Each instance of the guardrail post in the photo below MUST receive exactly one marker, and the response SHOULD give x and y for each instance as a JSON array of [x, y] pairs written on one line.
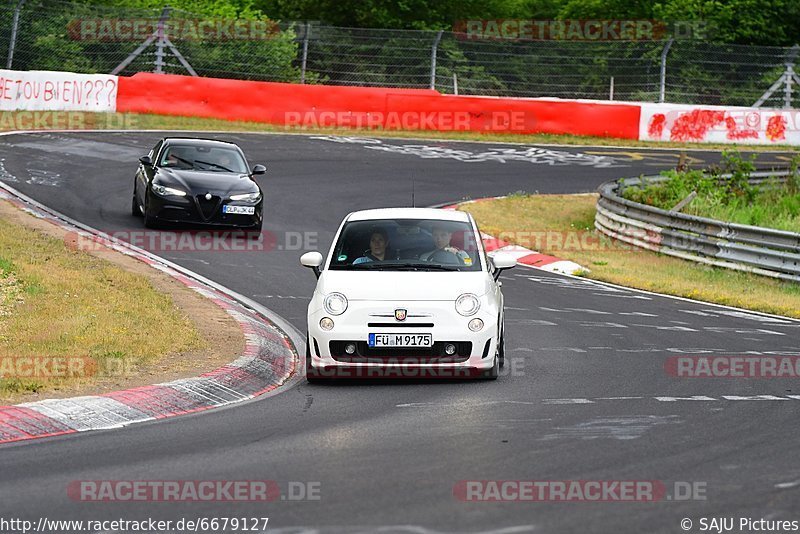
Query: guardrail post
[[434, 50], [663, 83], [12, 44]]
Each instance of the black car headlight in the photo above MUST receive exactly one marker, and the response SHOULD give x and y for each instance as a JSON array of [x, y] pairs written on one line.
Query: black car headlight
[[164, 191], [247, 197]]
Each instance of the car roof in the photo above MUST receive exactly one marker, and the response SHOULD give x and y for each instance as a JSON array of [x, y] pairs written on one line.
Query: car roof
[[409, 213], [198, 141]]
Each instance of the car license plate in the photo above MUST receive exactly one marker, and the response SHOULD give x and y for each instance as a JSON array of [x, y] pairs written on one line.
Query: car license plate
[[239, 210], [400, 340]]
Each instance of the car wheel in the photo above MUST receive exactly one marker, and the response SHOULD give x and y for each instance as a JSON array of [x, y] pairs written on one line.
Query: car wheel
[[135, 211], [501, 349], [149, 220], [493, 372], [312, 375]]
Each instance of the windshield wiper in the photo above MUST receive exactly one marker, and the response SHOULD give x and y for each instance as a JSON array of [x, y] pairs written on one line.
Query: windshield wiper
[[217, 165]]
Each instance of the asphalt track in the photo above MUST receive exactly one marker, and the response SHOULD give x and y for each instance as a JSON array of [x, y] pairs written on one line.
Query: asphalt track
[[584, 397]]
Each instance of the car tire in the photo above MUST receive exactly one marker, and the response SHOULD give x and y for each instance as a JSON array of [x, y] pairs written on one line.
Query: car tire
[[312, 375], [135, 211], [501, 349], [149, 220], [493, 372]]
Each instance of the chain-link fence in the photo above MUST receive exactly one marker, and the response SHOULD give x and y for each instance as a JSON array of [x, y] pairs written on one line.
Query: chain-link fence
[[59, 35]]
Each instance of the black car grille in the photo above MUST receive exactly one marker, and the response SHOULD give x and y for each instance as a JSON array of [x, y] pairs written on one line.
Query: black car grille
[[434, 354], [207, 207]]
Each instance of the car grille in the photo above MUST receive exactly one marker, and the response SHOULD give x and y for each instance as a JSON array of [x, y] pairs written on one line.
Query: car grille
[[366, 354], [207, 207]]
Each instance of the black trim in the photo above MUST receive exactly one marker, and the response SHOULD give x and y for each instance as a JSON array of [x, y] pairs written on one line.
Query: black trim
[[486, 348], [420, 355], [400, 325]]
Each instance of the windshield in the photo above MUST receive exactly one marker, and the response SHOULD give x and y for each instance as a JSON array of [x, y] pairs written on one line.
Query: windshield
[[406, 244], [203, 158]]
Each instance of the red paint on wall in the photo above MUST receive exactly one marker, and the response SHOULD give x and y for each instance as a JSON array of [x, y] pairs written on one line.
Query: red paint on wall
[[776, 128], [656, 127], [694, 126], [735, 134]]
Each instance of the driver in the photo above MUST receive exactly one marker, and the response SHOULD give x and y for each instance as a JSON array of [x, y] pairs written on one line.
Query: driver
[[441, 239], [378, 243]]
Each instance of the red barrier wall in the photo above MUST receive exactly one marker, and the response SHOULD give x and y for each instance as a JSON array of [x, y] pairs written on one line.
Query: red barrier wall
[[332, 106]]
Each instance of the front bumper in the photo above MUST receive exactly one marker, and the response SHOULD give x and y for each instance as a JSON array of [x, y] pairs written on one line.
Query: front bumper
[[474, 350], [200, 211]]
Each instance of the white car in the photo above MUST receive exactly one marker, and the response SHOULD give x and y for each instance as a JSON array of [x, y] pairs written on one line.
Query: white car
[[406, 292]]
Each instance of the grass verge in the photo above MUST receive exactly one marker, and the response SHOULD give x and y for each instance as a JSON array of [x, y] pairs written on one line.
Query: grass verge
[[563, 226], [69, 318], [143, 121], [725, 193]]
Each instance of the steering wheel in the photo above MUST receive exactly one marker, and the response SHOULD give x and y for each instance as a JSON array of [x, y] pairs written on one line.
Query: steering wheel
[[445, 257]]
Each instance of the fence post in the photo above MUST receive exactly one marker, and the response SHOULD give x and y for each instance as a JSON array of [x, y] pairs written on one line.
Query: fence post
[[433, 58], [14, 27], [663, 85], [305, 53], [785, 79], [161, 41]]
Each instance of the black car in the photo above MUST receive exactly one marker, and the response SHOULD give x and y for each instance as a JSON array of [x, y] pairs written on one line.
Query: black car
[[186, 180]]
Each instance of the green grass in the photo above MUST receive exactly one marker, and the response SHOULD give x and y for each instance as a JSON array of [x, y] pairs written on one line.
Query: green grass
[[61, 303], [773, 204], [520, 217]]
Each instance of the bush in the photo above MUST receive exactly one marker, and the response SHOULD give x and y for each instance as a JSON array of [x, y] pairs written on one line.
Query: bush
[[725, 193]]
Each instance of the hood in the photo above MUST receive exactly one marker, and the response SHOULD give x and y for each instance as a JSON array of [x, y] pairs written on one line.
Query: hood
[[403, 285], [201, 182]]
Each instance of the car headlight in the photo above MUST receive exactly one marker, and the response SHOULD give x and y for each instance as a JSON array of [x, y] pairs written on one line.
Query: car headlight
[[165, 191], [335, 303], [467, 304], [247, 197]]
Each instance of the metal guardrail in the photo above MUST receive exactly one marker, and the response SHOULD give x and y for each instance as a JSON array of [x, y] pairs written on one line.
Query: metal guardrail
[[764, 251]]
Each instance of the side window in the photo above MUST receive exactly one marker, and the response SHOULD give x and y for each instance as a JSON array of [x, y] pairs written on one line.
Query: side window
[[156, 149]]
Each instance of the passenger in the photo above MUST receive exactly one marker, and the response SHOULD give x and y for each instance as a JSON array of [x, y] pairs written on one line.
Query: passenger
[[444, 251], [378, 244]]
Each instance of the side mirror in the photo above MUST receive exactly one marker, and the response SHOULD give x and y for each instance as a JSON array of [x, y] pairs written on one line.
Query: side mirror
[[146, 161], [259, 169], [503, 261], [312, 260]]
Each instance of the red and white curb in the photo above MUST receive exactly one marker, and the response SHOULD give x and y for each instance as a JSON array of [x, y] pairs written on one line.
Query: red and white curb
[[268, 361], [524, 256]]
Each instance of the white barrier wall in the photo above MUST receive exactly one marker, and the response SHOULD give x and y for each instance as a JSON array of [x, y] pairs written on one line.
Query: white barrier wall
[[57, 91], [719, 124]]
